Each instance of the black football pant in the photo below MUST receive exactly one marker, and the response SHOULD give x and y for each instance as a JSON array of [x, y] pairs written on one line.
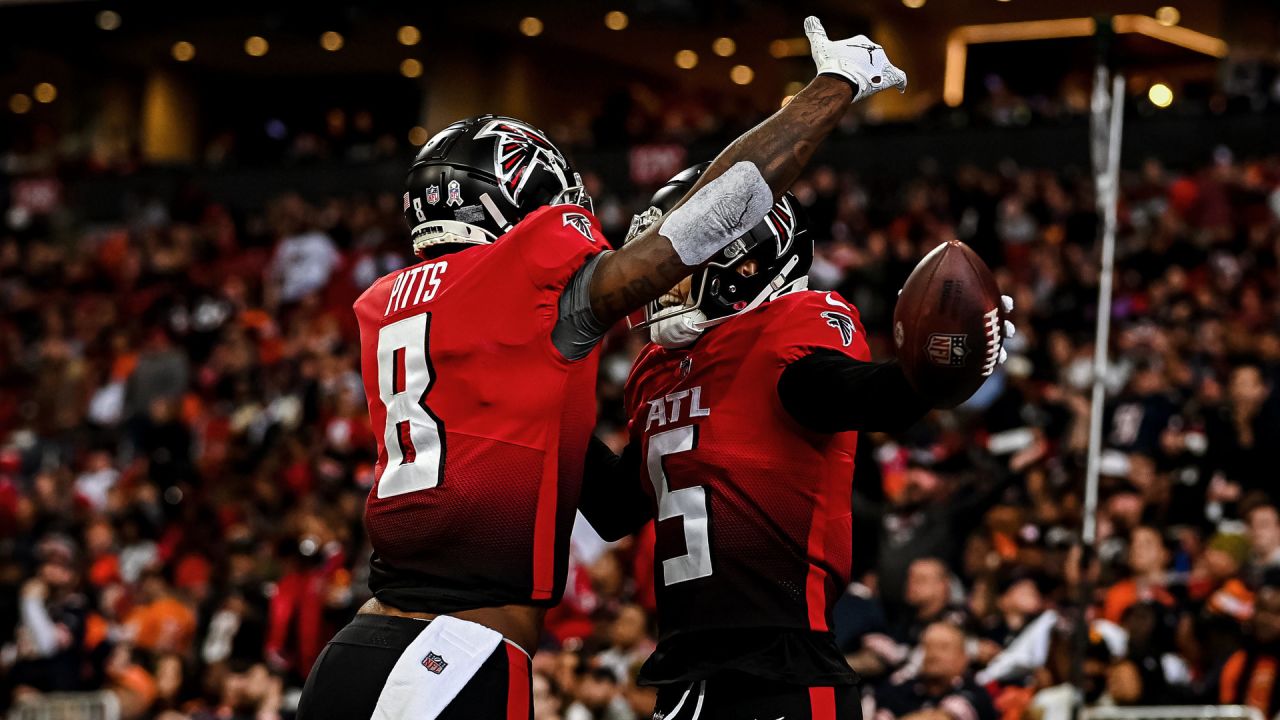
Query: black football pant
[[349, 676], [742, 697]]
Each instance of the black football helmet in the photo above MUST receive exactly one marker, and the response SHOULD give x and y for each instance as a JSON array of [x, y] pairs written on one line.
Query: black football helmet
[[780, 246], [477, 178]]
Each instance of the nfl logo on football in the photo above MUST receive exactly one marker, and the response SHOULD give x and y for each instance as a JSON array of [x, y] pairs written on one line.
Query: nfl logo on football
[[947, 350], [435, 663]]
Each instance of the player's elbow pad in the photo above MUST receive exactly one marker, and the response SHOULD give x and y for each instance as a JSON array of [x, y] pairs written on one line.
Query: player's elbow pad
[[719, 212]]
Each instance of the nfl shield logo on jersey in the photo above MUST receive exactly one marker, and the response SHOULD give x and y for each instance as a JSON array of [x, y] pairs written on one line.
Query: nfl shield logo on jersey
[[435, 663], [433, 194], [947, 350]]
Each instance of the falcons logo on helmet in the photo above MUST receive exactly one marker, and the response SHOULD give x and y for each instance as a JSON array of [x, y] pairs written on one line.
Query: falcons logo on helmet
[[518, 151], [782, 223]]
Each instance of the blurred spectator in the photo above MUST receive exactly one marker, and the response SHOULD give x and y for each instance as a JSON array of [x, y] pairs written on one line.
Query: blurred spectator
[[48, 654], [597, 697], [1264, 535], [942, 689], [304, 257], [629, 641], [929, 597], [1249, 675], [1147, 560]]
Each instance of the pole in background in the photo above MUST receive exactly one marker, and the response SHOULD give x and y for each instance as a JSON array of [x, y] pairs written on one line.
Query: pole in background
[[1107, 180], [1106, 129]]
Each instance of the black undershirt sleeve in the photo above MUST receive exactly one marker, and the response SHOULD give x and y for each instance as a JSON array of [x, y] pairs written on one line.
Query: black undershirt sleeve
[[577, 331], [612, 499], [827, 391]]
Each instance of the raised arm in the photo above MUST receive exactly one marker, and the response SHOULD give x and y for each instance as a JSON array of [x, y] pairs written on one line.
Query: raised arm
[[740, 187]]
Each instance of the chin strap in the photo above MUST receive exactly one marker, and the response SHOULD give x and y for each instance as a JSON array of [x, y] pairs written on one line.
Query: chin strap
[[777, 287], [439, 232]]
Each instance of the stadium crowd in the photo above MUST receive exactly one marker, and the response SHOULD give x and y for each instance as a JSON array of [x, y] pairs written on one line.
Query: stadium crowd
[[185, 451]]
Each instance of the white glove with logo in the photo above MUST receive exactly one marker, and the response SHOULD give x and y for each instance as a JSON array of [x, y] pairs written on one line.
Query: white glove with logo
[[855, 59]]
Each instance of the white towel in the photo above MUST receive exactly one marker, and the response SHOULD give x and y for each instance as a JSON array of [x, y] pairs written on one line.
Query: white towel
[[434, 669]]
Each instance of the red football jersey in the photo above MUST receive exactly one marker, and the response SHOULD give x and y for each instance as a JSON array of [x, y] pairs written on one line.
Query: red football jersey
[[753, 510], [482, 424]]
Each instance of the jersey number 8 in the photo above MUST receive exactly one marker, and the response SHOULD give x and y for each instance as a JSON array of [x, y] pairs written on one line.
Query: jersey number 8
[[413, 435]]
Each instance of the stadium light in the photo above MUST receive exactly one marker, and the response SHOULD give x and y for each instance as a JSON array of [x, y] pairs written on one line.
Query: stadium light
[[742, 74], [410, 68], [418, 135], [724, 46], [332, 41], [408, 35], [789, 47], [19, 103], [108, 20], [786, 100], [1180, 36], [256, 46], [914, 4], [1168, 16], [616, 20], [182, 51], [1160, 95], [962, 37], [531, 26], [686, 59], [45, 92]]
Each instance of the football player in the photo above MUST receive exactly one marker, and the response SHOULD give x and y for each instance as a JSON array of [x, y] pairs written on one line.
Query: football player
[[479, 365], [743, 414]]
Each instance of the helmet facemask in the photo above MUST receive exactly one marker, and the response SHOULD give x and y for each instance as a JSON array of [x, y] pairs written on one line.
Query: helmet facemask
[[721, 289]]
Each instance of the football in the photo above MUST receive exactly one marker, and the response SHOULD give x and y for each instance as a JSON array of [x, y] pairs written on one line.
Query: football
[[948, 324]]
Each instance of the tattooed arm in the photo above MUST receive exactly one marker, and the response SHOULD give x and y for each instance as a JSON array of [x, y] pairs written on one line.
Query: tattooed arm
[[645, 268]]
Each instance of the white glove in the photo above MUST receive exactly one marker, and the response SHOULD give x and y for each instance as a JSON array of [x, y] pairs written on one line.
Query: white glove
[[855, 59], [1009, 329]]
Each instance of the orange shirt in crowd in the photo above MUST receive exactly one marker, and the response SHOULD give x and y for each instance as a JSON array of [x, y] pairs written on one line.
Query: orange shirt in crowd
[[165, 624], [1126, 593]]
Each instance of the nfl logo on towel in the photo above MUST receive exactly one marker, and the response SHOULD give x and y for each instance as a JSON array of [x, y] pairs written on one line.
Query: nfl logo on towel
[[434, 663]]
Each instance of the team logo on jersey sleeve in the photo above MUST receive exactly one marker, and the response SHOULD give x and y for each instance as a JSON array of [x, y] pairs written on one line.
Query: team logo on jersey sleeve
[[518, 151], [579, 222], [455, 193], [434, 663], [947, 350], [433, 194], [842, 323]]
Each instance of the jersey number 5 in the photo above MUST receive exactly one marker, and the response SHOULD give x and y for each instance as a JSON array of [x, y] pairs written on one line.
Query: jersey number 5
[[413, 435], [690, 504]]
